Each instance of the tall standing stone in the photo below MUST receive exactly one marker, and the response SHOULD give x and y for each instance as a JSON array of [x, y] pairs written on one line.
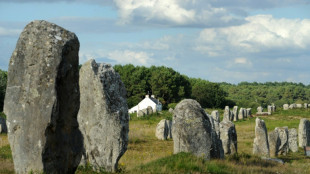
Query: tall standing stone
[[228, 136], [283, 135], [162, 131], [227, 114], [191, 129], [42, 100], [304, 132], [305, 105], [261, 145], [259, 109], [103, 115], [249, 112], [241, 114], [292, 140], [235, 112], [216, 146], [274, 143], [269, 108], [285, 107]]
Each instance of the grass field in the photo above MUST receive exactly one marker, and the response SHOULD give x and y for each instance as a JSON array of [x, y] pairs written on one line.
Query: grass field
[[146, 154]]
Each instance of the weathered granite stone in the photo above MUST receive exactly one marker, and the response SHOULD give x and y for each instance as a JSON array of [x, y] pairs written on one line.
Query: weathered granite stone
[[283, 135], [191, 129], [215, 115], [249, 112], [263, 113], [3, 125], [308, 105], [142, 113], [216, 146], [299, 106], [241, 114], [162, 131], [260, 109], [227, 114], [292, 140], [274, 143], [292, 106], [149, 110], [304, 132], [261, 145], [269, 108], [103, 116], [273, 107], [235, 112], [305, 105], [285, 107], [228, 136], [42, 100], [170, 110]]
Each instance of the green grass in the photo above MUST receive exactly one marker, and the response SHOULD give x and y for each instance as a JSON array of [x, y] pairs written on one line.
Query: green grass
[[2, 115], [5, 152]]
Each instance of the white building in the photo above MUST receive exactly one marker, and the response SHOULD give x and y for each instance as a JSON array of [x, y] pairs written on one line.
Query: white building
[[147, 101]]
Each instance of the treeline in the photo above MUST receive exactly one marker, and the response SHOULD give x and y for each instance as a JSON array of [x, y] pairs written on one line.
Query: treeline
[[262, 94], [171, 87], [168, 85]]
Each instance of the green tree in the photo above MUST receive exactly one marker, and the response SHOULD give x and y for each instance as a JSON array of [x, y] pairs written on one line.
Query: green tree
[[3, 82]]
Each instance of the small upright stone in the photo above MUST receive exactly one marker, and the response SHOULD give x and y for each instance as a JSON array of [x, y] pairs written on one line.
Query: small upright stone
[[227, 114], [259, 109], [269, 108], [249, 112], [273, 107], [241, 114], [305, 105], [42, 100], [261, 145], [283, 135], [215, 115], [304, 132], [274, 143], [162, 130], [292, 140], [285, 107], [228, 136], [191, 129], [149, 110], [235, 112], [103, 116]]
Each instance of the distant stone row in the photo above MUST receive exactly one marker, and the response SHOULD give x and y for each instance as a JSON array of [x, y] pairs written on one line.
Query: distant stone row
[[294, 106], [270, 109], [234, 115], [281, 140]]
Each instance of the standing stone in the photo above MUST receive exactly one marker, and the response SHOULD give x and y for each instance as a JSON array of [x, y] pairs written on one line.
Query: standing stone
[[269, 108], [215, 115], [259, 109], [162, 130], [299, 106], [274, 143], [149, 110], [249, 112], [261, 145], [191, 129], [3, 125], [283, 135], [292, 106], [228, 136], [292, 140], [42, 100], [305, 105], [227, 114], [273, 107], [304, 132], [308, 105], [235, 112], [216, 146], [103, 116], [141, 113], [285, 107], [241, 114]]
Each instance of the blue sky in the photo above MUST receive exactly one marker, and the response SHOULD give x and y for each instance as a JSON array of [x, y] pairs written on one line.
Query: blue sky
[[220, 41]]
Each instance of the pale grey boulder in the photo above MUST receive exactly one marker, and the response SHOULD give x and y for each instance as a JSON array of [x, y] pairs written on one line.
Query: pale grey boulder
[[191, 129], [285, 107], [261, 145], [142, 113], [274, 143], [260, 109], [228, 135], [103, 116], [299, 106], [292, 106], [283, 135], [292, 140], [235, 112], [162, 131], [269, 109], [149, 110], [241, 114], [304, 132], [305, 105], [42, 100]]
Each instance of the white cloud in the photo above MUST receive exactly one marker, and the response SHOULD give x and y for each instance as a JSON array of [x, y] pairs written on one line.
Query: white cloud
[[243, 61], [128, 56], [261, 33]]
